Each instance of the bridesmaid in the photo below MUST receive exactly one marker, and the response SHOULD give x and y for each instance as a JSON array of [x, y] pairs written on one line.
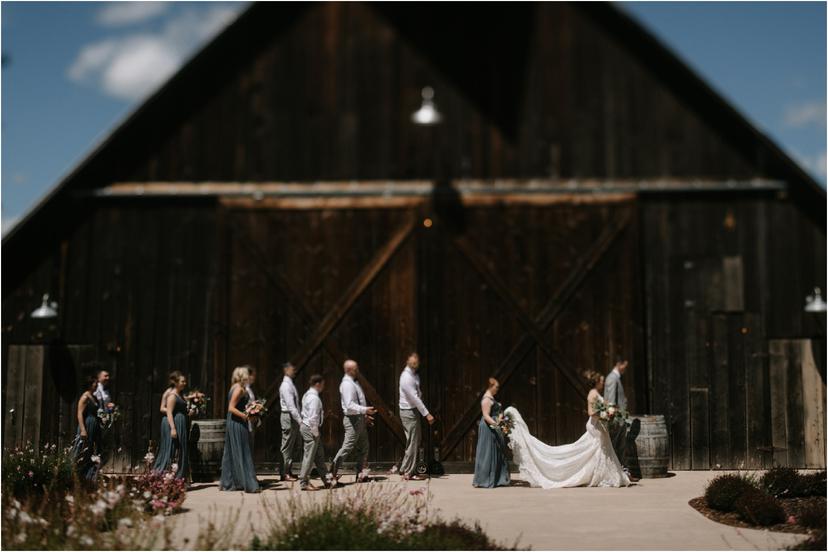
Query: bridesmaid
[[238, 473], [87, 439], [491, 468], [173, 446]]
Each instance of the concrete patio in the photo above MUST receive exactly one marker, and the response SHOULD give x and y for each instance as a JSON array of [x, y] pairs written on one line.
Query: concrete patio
[[651, 515]]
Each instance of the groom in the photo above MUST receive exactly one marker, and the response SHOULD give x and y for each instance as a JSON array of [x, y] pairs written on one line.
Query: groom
[[614, 393]]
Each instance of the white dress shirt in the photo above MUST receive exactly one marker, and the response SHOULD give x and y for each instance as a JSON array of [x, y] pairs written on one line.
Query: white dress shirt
[[352, 397], [312, 414], [289, 399], [410, 396], [102, 395]]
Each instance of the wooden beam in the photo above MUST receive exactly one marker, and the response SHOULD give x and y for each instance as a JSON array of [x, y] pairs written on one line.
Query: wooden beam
[[583, 267], [424, 188]]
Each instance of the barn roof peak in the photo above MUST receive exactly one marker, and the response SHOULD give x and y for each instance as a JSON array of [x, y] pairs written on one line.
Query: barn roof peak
[[250, 31]]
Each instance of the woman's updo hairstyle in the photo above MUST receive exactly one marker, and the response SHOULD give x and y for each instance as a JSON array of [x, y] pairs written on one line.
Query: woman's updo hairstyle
[[175, 377], [492, 382], [592, 378]]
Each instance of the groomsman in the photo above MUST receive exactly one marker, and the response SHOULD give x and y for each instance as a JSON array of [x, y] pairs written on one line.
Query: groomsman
[[411, 410], [356, 415], [312, 417], [102, 394], [290, 419], [104, 398], [614, 393]]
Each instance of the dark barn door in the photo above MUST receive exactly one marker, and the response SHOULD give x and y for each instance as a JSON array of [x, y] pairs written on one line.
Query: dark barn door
[[531, 293], [316, 286]]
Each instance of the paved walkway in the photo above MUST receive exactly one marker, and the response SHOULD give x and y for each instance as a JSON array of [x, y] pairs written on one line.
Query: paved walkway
[[651, 515]]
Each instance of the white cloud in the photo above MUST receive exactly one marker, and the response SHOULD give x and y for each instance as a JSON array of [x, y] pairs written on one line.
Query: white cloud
[[816, 164], [129, 13], [805, 114], [132, 65]]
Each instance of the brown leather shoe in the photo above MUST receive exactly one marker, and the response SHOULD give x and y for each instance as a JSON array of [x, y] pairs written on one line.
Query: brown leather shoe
[[308, 487], [289, 477]]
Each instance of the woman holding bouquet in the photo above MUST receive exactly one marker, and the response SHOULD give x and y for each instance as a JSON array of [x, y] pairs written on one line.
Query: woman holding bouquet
[[86, 448], [173, 446], [238, 473], [491, 468]]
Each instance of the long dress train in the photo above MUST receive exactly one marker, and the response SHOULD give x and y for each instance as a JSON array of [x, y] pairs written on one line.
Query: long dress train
[[590, 461]]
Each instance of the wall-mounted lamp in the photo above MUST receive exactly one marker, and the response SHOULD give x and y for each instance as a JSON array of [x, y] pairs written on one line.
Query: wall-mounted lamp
[[815, 303], [428, 113], [46, 309]]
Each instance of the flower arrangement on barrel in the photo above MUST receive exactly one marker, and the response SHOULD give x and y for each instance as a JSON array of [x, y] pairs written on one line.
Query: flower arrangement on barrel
[[196, 404]]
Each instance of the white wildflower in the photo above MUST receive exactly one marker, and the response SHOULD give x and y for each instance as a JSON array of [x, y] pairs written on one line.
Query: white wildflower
[[98, 508], [25, 518], [86, 541], [20, 537], [124, 522], [70, 532], [96, 459], [147, 495]]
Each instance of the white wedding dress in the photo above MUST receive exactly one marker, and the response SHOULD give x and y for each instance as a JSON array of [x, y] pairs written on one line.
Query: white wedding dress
[[590, 461]]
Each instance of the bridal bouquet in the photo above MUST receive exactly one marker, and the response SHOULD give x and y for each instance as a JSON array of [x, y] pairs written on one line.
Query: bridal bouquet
[[108, 415], [255, 409], [610, 413], [196, 403], [506, 424]]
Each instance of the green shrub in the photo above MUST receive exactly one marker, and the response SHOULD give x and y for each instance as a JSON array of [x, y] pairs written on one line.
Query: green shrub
[[781, 482], [455, 535], [812, 514], [811, 484], [724, 490], [370, 517], [28, 472], [759, 508]]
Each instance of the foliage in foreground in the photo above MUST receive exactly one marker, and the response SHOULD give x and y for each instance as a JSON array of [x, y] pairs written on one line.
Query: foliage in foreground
[[759, 508], [784, 482], [724, 491], [46, 507], [28, 472], [371, 517]]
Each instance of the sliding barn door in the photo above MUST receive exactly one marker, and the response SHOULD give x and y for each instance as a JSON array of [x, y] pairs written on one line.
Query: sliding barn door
[[533, 295], [314, 287]]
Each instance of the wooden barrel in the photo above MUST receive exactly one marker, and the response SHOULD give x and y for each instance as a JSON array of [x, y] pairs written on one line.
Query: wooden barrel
[[646, 451], [206, 449]]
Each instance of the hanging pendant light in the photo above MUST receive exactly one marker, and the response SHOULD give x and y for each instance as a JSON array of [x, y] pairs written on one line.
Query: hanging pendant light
[[815, 303], [46, 309], [428, 113]]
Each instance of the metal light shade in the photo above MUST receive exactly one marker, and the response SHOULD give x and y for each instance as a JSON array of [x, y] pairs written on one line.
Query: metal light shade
[[428, 113], [46, 309], [815, 303]]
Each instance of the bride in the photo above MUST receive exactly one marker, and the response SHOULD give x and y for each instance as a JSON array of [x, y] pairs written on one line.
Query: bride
[[589, 461]]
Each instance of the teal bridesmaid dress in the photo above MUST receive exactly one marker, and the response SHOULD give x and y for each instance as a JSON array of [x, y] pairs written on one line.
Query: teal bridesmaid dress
[[491, 468], [83, 449], [174, 450], [238, 473]]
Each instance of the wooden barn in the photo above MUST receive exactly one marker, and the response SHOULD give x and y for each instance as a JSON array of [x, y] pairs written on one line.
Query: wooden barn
[[584, 197]]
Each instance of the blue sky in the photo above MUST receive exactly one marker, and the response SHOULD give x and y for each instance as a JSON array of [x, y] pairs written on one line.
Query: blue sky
[[75, 69]]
